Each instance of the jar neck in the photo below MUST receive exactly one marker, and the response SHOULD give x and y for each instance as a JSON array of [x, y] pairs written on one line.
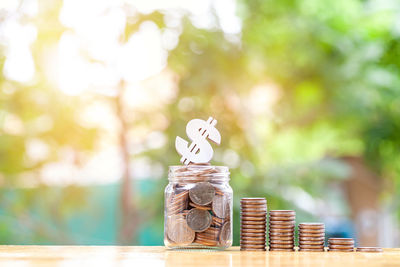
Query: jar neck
[[198, 173]]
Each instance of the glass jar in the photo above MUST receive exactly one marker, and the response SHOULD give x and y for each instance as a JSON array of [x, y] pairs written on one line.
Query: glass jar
[[198, 207]]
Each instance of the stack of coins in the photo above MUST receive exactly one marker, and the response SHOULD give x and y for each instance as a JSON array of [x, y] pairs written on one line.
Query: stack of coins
[[253, 223], [311, 236], [341, 244], [281, 230], [369, 249]]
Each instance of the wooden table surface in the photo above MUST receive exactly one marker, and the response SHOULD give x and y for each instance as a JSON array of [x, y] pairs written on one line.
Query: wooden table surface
[[98, 256]]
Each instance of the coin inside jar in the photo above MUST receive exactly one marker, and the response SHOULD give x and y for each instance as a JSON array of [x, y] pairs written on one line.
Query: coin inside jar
[[199, 206], [220, 206], [180, 233], [202, 193], [224, 236], [198, 219]]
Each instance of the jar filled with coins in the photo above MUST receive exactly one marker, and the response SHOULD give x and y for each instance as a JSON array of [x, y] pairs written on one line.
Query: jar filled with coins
[[198, 207]]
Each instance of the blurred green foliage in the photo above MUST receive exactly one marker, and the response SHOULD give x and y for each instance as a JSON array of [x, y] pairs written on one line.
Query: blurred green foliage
[[337, 66], [336, 72]]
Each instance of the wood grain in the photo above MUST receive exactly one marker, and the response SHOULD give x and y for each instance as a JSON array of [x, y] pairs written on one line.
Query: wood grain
[[159, 256]]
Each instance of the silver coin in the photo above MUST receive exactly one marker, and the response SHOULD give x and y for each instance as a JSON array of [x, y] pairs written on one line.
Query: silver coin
[[225, 235], [220, 206], [202, 193], [198, 219], [180, 233]]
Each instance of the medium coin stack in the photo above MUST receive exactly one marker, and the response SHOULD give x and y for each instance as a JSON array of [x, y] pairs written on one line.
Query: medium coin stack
[[341, 244], [281, 230], [311, 236], [253, 223]]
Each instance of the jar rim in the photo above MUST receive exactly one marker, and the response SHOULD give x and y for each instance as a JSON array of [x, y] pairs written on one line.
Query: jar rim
[[197, 173]]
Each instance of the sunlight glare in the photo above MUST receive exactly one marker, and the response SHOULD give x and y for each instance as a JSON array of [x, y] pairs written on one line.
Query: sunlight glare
[[19, 65], [142, 56], [262, 98]]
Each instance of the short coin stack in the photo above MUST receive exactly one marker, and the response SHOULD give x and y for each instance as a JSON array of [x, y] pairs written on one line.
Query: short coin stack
[[281, 230], [253, 223], [341, 244], [311, 236], [369, 249]]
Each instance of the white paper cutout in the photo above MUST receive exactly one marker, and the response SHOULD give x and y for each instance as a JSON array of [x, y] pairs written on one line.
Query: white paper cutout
[[200, 150]]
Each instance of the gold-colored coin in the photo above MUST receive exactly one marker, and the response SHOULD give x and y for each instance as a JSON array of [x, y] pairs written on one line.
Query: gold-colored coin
[[282, 218], [312, 249], [340, 250], [312, 225], [336, 240], [253, 226], [341, 246], [282, 213], [369, 249], [253, 200]]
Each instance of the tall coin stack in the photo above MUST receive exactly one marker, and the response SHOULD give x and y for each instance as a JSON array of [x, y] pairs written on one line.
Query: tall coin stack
[[253, 223], [281, 230], [341, 244], [311, 236]]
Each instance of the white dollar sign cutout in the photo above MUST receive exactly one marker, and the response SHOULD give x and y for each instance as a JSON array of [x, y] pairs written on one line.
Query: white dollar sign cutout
[[200, 150]]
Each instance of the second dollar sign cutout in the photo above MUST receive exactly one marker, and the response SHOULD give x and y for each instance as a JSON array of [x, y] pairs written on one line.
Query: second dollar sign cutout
[[200, 150]]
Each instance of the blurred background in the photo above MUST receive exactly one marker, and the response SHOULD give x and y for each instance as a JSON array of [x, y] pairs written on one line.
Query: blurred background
[[93, 94]]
